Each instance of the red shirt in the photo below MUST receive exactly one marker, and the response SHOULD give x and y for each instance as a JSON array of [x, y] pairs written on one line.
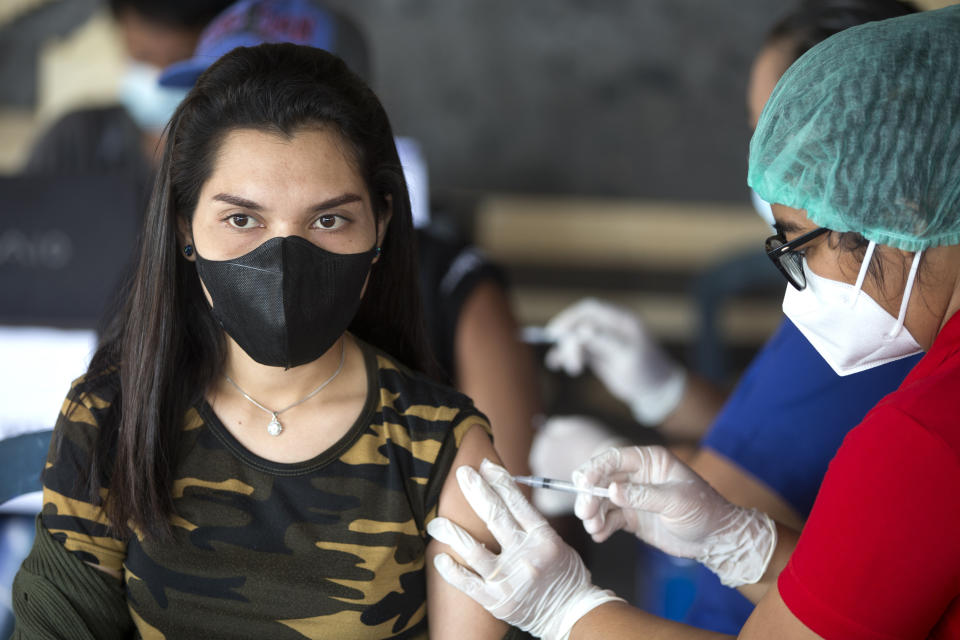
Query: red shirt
[[879, 556]]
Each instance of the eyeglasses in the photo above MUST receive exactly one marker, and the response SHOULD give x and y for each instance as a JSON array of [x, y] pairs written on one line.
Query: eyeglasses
[[787, 259]]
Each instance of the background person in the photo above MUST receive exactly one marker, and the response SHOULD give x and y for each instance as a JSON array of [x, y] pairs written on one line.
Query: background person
[[873, 262], [154, 34]]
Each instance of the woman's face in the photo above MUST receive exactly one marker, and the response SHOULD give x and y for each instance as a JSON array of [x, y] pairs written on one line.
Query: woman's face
[[826, 258], [264, 185]]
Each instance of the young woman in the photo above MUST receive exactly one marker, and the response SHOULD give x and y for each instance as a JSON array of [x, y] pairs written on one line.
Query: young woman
[[859, 150], [248, 455]]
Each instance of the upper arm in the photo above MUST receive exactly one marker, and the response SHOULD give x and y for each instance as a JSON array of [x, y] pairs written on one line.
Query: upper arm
[[80, 523], [498, 371], [772, 619], [451, 613], [698, 408]]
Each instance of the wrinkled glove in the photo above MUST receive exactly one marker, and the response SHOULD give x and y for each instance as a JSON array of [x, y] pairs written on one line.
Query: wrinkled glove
[[663, 502], [537, 583], [560, 445], [614, 344]]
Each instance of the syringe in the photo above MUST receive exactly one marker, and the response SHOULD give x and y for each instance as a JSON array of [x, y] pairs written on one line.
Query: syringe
[[536, 335], [560, 485]]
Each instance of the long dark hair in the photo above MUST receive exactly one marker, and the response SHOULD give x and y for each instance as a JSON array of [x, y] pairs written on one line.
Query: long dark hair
[[164, 339]]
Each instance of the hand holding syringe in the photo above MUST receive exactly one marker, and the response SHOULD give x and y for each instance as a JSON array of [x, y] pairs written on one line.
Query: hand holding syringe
[[561, 485]]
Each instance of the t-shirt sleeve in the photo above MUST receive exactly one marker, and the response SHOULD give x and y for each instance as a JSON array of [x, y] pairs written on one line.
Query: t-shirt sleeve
[[460, 426], [450, 270], [69, 513], [878, 557]]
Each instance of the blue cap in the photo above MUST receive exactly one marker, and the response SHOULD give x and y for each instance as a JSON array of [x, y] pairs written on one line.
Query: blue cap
[[249, 23]]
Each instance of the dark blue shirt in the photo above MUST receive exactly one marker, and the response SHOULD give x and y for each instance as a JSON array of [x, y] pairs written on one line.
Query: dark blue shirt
[[783, 424]]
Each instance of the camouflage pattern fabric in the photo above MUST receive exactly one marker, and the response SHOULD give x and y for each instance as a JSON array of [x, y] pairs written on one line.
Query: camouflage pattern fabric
[[328, 548]]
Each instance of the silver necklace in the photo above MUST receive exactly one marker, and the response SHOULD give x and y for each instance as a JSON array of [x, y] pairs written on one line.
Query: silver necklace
[[275, 428]]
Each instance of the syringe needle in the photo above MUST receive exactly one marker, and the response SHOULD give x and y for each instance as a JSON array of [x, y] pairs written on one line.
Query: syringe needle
[[561, 485]]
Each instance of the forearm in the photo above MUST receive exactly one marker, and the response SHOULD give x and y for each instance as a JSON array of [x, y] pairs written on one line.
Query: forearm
[[739, 486], [620, 620], [786, 543], [699, 405]]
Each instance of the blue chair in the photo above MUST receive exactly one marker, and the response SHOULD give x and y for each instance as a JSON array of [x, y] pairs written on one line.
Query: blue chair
[[22, 459]]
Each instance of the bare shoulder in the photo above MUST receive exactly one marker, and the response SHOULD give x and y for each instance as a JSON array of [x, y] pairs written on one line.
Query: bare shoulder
[[474, 447], [452, 614]]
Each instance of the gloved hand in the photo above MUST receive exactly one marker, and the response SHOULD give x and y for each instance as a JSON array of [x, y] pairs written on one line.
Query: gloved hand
[[663, 502], [617, 347], [537, 583], [560, 445]]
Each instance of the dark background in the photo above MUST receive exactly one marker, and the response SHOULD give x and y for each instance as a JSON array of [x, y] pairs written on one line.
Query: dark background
[[637, 98]]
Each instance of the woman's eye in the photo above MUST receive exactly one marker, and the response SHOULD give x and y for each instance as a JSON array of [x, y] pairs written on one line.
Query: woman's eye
[[329, 222], [242, 221]]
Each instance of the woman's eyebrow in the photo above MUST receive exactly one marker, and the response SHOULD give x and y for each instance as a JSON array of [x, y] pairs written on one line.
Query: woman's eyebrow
[[237, 201], [337, 201], [788, 227]]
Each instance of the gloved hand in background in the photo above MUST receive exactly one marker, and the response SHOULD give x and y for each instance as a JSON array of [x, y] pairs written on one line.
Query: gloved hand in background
[[560, 445], [663, 502], [537, 582], [614, 344]]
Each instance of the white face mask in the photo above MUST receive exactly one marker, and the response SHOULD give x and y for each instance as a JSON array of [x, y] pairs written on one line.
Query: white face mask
[[849, 329], [149, 104], [762, 207]]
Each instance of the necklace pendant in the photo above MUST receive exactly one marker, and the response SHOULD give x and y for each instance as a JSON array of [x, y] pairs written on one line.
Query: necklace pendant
[[274, 428]]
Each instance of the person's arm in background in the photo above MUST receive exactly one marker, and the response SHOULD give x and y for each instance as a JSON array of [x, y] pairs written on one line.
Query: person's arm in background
[[699, 405], [618, 348], [498, 372]]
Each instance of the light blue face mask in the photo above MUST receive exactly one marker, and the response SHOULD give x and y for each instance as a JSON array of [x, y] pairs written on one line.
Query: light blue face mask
[[149, 104], [762, 207]]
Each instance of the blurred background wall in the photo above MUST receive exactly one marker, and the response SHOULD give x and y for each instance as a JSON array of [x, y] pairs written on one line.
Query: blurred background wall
[[637, 98]]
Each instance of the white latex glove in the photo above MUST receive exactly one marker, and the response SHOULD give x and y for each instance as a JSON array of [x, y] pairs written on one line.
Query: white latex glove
[[537, 582], [614, 344], [560, 445], [666, 504]]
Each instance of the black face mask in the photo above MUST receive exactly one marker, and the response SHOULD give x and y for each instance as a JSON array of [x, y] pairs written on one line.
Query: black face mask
[[287, 301]]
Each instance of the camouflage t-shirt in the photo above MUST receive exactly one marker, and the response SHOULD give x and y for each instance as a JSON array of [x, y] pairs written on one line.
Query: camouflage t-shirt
[[333, 547]]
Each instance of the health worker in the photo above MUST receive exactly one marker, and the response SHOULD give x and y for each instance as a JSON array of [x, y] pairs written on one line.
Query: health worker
[[769, 443], [859, 150]]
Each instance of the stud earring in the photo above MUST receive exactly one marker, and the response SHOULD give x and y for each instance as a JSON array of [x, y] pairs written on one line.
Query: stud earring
[[188, 250], [379, 251]]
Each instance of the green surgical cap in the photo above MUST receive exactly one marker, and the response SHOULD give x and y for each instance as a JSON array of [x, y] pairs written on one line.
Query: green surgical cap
[[863, 132]]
